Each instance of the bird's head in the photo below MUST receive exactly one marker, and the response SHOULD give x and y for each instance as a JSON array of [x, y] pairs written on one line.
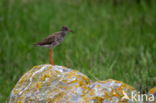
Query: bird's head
[[66, 29]]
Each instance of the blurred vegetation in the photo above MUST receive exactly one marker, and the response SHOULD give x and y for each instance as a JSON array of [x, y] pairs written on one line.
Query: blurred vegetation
[[115, 39]]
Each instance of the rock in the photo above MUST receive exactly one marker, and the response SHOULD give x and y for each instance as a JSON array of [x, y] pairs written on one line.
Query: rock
[[58, 84]]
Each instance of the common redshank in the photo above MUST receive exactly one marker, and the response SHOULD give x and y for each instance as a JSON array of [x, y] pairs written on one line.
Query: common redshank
[[53, 40]]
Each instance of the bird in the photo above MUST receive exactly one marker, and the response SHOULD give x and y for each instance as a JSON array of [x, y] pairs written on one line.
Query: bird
[[53, 40]]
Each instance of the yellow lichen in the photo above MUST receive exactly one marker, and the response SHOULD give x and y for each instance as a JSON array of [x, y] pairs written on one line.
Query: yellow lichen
[[152, 91], [46, 75], [39, 85], [97, 99], [15, 91], [19, 102]]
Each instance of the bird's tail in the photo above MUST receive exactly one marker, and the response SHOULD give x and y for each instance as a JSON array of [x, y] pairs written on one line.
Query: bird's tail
[[36, 44]]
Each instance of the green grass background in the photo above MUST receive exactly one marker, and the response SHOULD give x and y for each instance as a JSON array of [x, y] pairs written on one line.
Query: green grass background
[[109, 41]]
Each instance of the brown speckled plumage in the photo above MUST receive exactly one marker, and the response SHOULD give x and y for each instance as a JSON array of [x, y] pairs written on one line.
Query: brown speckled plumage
[[54, 39]]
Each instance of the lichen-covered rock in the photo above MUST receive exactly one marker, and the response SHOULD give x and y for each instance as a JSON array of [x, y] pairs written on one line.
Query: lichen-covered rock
[[58, 84], [109, 91]]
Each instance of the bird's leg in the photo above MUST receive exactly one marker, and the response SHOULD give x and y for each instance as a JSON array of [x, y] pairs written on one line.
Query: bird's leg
[[50, 57]]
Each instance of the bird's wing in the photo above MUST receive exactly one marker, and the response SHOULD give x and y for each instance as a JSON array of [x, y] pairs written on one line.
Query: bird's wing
[[48, 40]]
